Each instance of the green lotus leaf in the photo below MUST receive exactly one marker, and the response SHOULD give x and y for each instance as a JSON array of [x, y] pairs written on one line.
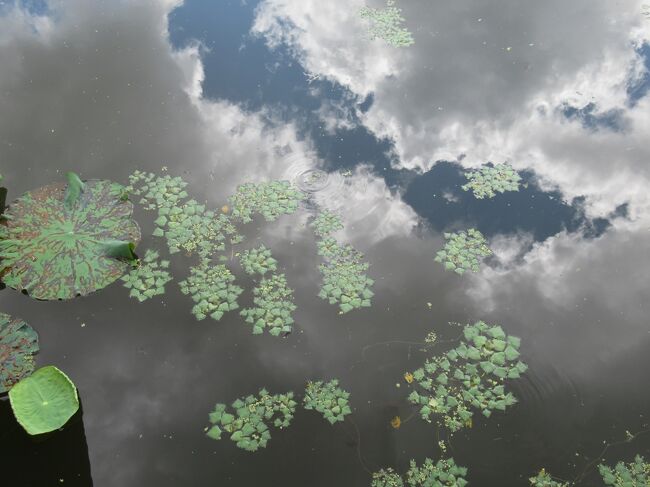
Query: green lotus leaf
[[44, 401], [18, 344], [54, 251]]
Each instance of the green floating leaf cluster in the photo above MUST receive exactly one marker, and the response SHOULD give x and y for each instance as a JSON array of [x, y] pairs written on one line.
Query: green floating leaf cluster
[[273, 300], [258, 261], [18, 344], [192, 228], [344, 276], [634, 474], [212, 289], [463, 251], [157, 191], [543, 479], [487, 181], [328, 399], [270, 199], [67, 239], [326, 222], [386, 24], [44, 401], [386, 478], [472, 375], [248, 424], [444, 473], [148, 279]]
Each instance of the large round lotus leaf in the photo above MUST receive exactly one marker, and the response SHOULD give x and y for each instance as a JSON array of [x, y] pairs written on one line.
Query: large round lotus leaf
[[44, 401], [18, 343], [62, 240]]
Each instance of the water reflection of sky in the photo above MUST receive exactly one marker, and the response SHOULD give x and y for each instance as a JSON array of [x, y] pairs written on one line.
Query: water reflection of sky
[[236, 91]]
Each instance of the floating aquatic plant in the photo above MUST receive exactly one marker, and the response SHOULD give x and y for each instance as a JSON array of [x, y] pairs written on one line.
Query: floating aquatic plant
[[328, 399], [470, 376], [344, 276], [192, 228], [65, 240], [443, 473], [634, 474], [386, 478], [487, 181], [258, 261], [543, 479], [148, 278], [157, 191], [326, 222], [273, 300], [386, 23], [18, 344], [212, 289], [463, 251], [44, 401], [270, 199], [248, 423]]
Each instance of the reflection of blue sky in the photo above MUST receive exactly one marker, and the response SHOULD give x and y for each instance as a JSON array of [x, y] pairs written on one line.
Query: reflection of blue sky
[[638, 88], [241, 68]]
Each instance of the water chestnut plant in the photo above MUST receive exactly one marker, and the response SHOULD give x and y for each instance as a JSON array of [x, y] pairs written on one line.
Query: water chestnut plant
[[148, 278], [386, 24], [487, 181], [325, 223], [543, 479], [463, 251], [258, 261], [633, 474], [273, 306], [212, 290], [328, 399], [269, 199]]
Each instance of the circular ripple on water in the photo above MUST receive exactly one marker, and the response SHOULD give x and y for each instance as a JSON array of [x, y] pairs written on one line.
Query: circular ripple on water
[[312, 180]]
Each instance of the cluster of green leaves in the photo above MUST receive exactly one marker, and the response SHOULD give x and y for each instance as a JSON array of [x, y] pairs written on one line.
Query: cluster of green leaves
[[148, 278], [193, 228], [444, 473], [325, 223], [44, 401], [634, 474], [386, 23], [344, 276], [273, 300], [18, 344], [463, 251], [212, 289], [328, 399], [67, 239], [472, 375], [487, 181], [270, 199], [543, 479], [247, 424], [157, 191], [258, 261]]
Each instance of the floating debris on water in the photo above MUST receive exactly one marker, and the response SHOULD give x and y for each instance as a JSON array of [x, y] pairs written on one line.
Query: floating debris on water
[[312, 180]]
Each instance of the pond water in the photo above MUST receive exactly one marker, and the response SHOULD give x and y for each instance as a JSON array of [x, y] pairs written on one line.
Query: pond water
[[381, 130]]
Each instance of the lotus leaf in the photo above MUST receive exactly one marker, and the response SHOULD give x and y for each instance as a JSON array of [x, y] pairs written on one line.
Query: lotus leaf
[[487, 181], [270, 199], [273, 301], [634, 474], [325, 223], [18, 344], [328, 399], [258, 261], [248, 424], [463, 251], [543, 479], [61, 240], [212, 289], [44, 401], [148, 278], [471, 376], [386, 24]]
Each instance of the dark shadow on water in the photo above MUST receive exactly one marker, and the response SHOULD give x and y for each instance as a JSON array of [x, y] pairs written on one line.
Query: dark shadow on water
[[57, 458]]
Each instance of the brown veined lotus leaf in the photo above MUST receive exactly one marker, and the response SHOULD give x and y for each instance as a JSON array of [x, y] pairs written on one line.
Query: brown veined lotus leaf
[[396, 422], [18, 344], [66, 240]]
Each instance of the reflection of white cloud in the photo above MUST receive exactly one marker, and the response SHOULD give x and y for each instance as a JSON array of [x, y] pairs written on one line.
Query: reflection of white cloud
[[484, 80]]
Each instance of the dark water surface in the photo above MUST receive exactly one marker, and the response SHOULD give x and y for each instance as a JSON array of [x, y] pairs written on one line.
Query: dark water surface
[[226, 92]]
